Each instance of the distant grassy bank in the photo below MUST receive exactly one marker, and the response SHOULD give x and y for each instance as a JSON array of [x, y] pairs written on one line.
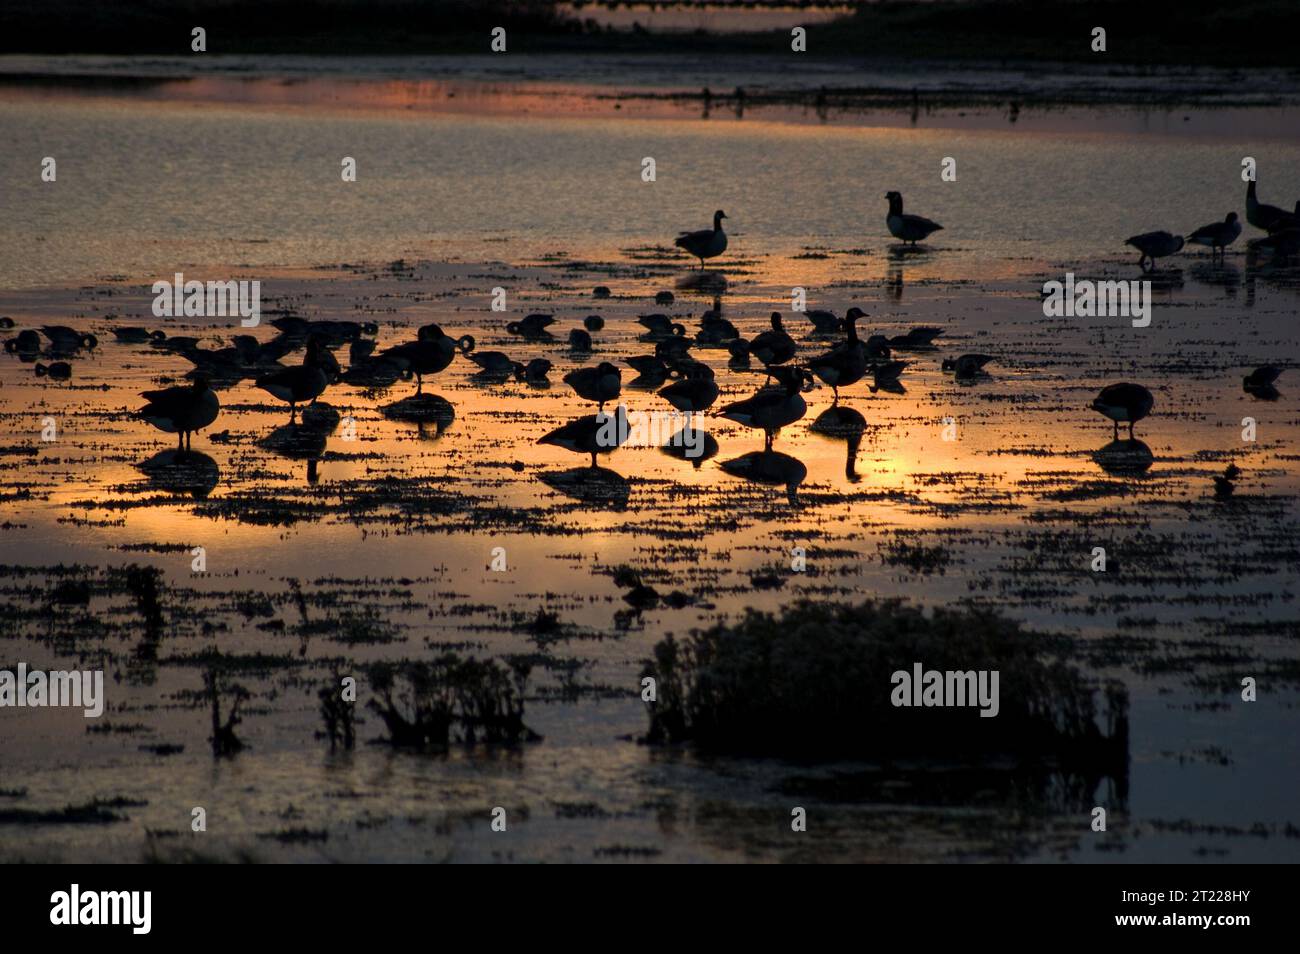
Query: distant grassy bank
[[1157, 32]]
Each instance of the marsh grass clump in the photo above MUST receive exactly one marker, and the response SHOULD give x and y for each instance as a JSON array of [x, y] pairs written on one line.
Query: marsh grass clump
[[452, 699], [816, 681], [340, 726]]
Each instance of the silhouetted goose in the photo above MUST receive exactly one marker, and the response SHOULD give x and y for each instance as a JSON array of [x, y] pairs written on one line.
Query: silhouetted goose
[[340, 332], [579, 341], [693, 444], [1217, 236], [135, 335], [6, 321], [772, 409], [593, 323], [714, 329], [183, 410], [739, 351], [706, 243], [696, 393], [775, 346], [1260, 378], [66, 339], [532, 326], [825, 322], [658, 325], [25, 342], [647, 364], [886, 375], [300, 385], [770, 467], [967, 365], [431, 354], [1283, 243], [877, 348], [907, 228], [593, 434], [495, 362], [664, 297], [178, 343], [55, 370], [674, 347], [1124, 403], [916, 339], [846, 363], [602, 383], [1267, 217], [535, 372], [1155, 245]]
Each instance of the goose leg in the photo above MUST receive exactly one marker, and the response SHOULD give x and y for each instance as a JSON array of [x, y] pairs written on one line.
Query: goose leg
[[419, 384], [1116, 425], [180, 443]]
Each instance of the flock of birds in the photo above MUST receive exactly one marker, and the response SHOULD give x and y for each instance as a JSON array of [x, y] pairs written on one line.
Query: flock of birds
[[686, 383], [1283, 230]]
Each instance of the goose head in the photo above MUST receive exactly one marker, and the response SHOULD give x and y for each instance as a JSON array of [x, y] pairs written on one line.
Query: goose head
[[895, 202], [718, 216]]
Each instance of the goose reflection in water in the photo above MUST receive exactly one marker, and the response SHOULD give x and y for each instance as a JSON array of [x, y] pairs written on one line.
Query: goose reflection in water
[[305, 440], [1124, 458], [591, 434], [182, 473], [842, 423], [771, 468]]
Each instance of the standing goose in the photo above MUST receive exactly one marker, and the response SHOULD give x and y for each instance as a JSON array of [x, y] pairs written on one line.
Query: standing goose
[[1217, 235], [1127, 403], [846, 363], [593, 434], [773, 408], [775, 346], [26, 342], [602, 383], [706, 243], [825, 322], [907, 228], [1267, 217], [1154, 245], [303, 384], [182, 410]]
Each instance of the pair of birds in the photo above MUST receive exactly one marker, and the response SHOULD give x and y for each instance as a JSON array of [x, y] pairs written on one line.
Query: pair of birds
[[1216, 236], [710, 243], [1283, 228], [63, 340]]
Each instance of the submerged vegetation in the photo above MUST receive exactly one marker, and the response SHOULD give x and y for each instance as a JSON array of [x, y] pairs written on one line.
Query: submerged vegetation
[[816, 682], [452, 699]]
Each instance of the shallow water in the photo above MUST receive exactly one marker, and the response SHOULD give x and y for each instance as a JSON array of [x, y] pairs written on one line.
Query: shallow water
[[389, 537]]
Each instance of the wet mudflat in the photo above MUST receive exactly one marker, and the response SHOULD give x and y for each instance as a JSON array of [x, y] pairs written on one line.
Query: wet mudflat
[[359, 537]]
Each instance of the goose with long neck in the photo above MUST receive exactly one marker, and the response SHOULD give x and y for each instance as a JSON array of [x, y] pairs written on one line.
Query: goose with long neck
[[907, 228], [846, 363], [1267, 217], [772, 408], [706, 243]]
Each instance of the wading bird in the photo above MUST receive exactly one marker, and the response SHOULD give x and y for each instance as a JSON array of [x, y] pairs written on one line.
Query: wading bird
[[1124, 403], [907, 228], [182, 410], [706, 243]]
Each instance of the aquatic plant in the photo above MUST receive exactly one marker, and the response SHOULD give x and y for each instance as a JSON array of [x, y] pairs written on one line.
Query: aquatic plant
[[451, 699], [340, 726], [816, 682], [223, 738]]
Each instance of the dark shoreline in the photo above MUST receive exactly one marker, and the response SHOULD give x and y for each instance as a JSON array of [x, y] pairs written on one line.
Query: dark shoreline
[[1248, 34]]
